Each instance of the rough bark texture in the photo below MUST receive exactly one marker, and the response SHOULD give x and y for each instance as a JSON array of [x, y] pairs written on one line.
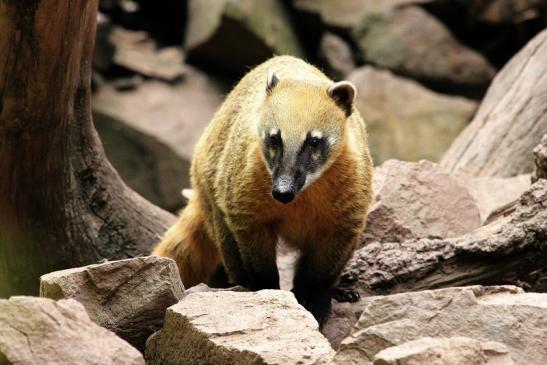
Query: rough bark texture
[[510, 121], [62, 204], [511, 249]]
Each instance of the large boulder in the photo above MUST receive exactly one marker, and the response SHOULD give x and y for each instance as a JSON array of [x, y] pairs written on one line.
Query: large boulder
[[138, 52], [502, 314], [43, 331], [233, 35], [149, 133], [416, 200], [336, 56], [405, 120], [445, 351], [128, 297], [224, 327], [510, 121], [408, 40], [492, 193]]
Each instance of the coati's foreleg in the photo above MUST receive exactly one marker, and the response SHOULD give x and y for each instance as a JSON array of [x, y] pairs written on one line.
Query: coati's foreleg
[[249, 254], [318, 269], [257, 246]]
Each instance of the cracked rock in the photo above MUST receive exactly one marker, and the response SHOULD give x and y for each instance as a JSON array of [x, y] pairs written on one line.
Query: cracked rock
[[225, 327], [503, 314], [128, 297]]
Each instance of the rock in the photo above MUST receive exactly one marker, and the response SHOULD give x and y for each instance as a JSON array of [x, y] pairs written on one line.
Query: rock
[[510, 121], [264, 327], [509, 249], [160, 123], [411, 42], [503, 314], [416, 200], [336, 56], [234, 35], [349, 13], [445, 351], [405, 120], [491, 193], [503, 11], [128, 297], [540, 159], [138, 52], [174, 114], [46, 332], [340, 323], [146, 164]]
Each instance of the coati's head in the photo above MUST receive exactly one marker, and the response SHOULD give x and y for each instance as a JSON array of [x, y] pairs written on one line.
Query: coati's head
[[301, 130]]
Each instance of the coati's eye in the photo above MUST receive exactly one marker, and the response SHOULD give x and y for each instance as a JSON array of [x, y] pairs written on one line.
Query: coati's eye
[[314, 142], [274, 140]]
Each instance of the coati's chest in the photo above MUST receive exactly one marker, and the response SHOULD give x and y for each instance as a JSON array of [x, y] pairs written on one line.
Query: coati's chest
[[310, 216]]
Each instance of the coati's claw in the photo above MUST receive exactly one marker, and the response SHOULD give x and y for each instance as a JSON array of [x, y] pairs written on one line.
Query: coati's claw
[[345, 295]]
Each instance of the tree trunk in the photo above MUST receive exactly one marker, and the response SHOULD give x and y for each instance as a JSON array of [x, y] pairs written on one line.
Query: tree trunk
[[510, 121], [61, 202]]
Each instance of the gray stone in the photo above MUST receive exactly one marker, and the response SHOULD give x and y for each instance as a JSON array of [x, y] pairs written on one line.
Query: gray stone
[[405, 120]]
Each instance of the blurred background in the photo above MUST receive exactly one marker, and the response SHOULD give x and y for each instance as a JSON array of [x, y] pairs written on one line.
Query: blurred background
[[421, 67]]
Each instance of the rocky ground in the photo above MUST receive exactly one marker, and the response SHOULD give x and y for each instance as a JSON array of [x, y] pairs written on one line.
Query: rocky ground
[[452, 268]]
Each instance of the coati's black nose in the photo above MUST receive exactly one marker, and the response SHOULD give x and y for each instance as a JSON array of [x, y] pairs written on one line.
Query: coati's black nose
[[283, 196], [283, 189]]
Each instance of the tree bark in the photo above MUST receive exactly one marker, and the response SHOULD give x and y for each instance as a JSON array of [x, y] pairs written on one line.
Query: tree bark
[[512, 249], [61, 202], [510, 121]]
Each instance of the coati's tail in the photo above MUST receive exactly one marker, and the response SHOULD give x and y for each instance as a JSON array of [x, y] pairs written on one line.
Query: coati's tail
[[189, 244]]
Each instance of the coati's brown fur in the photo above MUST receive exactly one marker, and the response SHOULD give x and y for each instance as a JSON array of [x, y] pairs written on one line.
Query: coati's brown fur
[[289, 129]]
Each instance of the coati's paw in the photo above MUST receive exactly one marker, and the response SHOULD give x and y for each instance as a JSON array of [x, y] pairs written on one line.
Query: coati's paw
[[317, 301], [345, 295]]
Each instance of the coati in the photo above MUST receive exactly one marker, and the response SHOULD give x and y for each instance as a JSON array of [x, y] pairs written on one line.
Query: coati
[[285, 156]]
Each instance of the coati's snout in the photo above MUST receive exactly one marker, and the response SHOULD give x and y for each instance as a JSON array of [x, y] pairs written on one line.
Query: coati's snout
[[284, 189]]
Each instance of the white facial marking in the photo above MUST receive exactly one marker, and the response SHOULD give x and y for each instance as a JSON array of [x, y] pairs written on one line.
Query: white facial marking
[[316, 133], [273, 131], [332, 140]]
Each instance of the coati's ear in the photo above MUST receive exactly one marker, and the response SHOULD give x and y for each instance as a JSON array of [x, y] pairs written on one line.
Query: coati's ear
[[272, 81], [343, 92]]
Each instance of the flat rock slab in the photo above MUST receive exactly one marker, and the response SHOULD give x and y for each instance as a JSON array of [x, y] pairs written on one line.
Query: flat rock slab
[[503, 314], [42, 331], [224, 327], [128, 297], [445, 351]]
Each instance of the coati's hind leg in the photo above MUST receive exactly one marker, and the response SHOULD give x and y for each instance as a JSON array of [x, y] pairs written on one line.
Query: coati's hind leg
[[190, 245], [317, 272]]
